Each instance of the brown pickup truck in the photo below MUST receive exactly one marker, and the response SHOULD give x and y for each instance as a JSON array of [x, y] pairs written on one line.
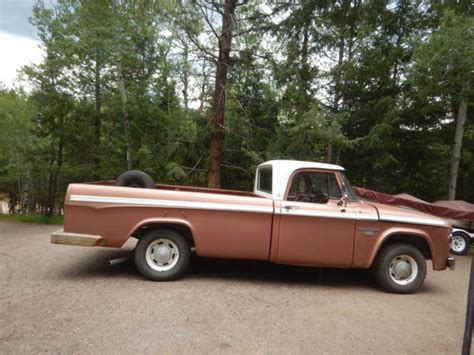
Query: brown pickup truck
[[300, 213]]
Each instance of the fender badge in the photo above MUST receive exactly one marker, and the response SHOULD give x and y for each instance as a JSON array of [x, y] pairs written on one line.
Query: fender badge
[[368, 231]]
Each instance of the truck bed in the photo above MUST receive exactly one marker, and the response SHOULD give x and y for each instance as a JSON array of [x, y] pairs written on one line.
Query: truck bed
[[213, 216]]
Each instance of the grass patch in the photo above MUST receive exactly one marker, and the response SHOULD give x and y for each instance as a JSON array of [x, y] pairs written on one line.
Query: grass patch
[[35, 218]]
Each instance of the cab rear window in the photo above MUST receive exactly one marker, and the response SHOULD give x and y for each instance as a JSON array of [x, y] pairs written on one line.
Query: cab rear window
[[265, 177]]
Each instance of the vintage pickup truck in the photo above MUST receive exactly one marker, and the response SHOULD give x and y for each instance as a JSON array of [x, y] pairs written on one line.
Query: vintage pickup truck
[[300, 213]]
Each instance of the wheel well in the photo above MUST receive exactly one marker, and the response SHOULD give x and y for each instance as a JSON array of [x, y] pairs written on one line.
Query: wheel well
[[418, 242], [180, 228]]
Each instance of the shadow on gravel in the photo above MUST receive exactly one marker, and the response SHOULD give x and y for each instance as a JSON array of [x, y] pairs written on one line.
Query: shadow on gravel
[[261, 271], [96, 266]]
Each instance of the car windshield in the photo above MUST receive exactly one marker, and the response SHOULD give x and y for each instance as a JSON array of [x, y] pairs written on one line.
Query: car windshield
[[347, 186]]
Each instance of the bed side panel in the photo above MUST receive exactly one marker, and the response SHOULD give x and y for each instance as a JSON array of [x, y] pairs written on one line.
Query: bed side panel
[[224, 226]]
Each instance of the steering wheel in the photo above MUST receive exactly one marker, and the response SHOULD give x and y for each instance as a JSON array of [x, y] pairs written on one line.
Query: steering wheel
[[319, 197], [303, 197]]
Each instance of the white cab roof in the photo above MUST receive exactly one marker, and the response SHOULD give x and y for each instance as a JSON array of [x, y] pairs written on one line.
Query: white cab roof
[[298, 164], [281, 172]]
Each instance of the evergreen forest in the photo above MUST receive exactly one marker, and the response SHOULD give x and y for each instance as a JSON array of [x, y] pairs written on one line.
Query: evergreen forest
[[199, 92]]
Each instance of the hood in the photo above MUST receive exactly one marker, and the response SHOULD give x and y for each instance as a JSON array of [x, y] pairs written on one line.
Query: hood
[[407, 215]]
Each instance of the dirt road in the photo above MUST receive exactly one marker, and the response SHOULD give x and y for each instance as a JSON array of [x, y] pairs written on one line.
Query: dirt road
[[66, 299]]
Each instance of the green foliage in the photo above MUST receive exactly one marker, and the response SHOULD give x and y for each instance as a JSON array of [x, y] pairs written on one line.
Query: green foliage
[[16, 138], [373, 86], [445, 63], [38, 219]]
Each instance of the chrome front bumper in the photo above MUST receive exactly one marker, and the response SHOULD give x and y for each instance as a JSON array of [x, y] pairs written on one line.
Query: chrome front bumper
[[451, 263], [85, 240]]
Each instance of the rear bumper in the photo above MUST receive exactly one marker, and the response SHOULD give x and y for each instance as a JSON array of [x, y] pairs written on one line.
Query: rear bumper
[[451, 263], [85, 240]]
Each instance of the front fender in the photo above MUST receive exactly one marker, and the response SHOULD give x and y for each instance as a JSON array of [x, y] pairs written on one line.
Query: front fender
[[398, 231]]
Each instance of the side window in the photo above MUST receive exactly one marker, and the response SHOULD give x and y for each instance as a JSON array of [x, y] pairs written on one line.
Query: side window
[[315, 187], [334, 190], [325, 183], [298, 186]]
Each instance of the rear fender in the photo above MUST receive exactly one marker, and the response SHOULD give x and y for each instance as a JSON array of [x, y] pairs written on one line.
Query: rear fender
[[164, 222]]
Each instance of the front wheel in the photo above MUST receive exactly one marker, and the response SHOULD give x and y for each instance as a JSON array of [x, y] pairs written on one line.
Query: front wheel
[[399, 268], [162, 255], [459, 244]]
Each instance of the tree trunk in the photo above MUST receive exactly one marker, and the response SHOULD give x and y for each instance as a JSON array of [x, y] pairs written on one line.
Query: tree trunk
[[57, 172], [12, 201], [20, 194], [97, 121], [400, 34], [202, 96], [126, 122], [304, 77], [31, 203], [456, 153], [56, 165], [50, 199], [217, 119], [337, 93], [186, 80], [27, 198]]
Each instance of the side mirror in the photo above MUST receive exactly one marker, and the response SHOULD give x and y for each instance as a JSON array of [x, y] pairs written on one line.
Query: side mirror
[[343, 200]]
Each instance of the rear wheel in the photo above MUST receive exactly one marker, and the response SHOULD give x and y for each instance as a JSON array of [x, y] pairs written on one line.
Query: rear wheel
[[162, 255], [399, 268], [459, 244]]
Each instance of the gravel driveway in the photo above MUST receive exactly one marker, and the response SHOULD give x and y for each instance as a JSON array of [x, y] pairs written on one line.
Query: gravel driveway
[[66, 299]]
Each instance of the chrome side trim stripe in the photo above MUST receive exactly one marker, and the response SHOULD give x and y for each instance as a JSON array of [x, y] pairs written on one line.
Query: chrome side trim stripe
[[171, 203], [313, 213], [250, 208], [367, 217], [414, 220], [359, 217]]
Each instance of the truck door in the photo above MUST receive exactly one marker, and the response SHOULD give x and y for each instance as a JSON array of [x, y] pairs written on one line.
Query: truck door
[[313, 228]]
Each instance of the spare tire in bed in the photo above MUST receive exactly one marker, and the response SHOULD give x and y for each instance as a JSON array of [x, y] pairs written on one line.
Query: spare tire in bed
[[135, 178]]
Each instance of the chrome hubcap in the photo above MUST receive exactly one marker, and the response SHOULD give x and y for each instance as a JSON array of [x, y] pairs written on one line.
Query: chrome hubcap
[[162, 254], [458, 243], [403, 269]]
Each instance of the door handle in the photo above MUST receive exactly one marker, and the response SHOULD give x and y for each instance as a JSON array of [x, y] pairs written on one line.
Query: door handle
[[289, 207]]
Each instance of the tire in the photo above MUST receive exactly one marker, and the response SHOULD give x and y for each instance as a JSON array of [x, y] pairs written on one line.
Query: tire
[[399, 268], [459, 243], [135, 178], [162, 255]]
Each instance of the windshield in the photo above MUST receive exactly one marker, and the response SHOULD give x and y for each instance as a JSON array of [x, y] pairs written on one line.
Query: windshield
[[348, 188]]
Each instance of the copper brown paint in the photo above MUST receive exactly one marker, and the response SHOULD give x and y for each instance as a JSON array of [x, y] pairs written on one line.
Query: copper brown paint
[[296, 240], [317, 222]]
